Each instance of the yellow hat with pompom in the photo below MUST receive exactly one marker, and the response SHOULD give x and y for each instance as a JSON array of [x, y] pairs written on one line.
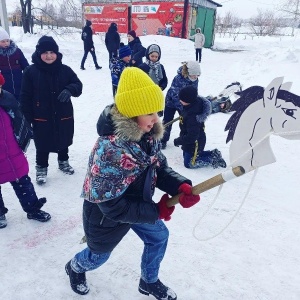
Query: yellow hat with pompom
[[137, 94]]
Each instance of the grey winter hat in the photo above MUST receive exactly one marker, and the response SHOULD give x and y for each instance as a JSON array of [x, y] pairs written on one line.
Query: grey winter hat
[[154, 48], [193, 68]]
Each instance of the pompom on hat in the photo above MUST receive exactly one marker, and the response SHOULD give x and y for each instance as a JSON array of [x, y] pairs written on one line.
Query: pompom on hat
[[46, 43], [137, 94], [2, 80], [124, 51], [3, 34], [193, 68]]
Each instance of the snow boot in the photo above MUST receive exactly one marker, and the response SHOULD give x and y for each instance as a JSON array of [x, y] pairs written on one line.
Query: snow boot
[[157, 289], [3, 221], [41, 175], [37, 214], [217, 159], [65, 167], [77, 280]]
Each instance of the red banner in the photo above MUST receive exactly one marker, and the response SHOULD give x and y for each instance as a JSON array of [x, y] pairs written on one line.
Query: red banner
[[163, 18], [102, 15]]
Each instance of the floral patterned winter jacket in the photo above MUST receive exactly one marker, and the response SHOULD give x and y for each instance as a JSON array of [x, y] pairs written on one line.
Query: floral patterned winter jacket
[[124, 168]]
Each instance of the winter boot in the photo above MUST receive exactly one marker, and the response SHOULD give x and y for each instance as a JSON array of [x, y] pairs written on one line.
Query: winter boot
[[82, 68], [3, 221], [38, 214], [217, 159], [41, 175], [77, 280], [65, 167], [98, 67], [157, 289]]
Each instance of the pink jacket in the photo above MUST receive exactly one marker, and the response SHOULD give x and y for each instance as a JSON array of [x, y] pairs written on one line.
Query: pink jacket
[[13, 163]]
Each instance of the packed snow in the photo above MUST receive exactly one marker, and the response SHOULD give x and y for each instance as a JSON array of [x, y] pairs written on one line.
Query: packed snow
[[255, 257]]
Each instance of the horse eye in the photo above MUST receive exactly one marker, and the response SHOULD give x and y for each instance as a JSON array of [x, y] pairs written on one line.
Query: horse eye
[[289, 112]]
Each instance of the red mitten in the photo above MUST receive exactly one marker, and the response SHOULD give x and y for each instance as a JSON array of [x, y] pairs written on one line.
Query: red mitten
[[165, 211], [187, 199]]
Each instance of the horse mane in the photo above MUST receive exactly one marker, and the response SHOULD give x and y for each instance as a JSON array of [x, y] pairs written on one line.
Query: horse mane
[[247, 97], [289, 97]]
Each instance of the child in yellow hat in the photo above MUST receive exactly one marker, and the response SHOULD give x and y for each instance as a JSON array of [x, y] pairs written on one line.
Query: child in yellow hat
[[125, 166]]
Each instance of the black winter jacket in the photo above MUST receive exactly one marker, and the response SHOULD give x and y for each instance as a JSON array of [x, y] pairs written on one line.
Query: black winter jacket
[[192, 117], [52, 120], [138, 52], [87, 37], [112, 39], [107, 222]]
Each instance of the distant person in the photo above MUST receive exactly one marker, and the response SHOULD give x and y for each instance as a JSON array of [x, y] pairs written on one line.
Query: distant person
[[46, 92], [187, 74], [199, 43], [15, 135], [112, 40], [118, 64], [87, 37], [125, 168], [168, 29], [153, 67], [192, 137], [12, 64], [137, 49]]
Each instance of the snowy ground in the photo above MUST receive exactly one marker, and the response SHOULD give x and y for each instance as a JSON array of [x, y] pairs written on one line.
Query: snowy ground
[[256, 257]]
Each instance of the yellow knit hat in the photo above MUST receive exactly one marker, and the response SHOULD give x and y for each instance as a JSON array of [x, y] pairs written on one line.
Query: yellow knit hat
[[137, 94]]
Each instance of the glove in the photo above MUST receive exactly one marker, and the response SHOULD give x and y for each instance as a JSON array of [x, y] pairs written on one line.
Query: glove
[[187, 199], [164, 211], [177, 142], [64, 96]]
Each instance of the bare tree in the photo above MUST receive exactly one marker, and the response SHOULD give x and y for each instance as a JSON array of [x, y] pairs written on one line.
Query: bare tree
[[229, 24], [264, 23], [292, 8], [26, 6]]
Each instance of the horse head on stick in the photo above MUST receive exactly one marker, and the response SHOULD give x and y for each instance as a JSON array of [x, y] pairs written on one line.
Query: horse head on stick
[[259, 113]]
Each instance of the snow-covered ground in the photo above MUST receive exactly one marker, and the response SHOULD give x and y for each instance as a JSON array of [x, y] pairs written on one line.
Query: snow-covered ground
[[256, 257]]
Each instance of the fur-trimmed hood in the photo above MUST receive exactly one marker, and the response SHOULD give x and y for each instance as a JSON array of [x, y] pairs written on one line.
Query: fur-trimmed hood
[[111, 122]]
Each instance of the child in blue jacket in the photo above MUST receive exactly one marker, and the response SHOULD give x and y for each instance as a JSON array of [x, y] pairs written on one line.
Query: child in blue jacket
[[118, 64]]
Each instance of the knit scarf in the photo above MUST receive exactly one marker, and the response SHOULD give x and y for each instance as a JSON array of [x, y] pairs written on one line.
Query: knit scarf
[[155, 70]]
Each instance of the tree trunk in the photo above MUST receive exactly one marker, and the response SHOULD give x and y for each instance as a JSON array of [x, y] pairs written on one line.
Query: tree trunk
[[26, 15]]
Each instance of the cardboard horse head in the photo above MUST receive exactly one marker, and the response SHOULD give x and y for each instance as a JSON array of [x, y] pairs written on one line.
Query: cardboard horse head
[[258, 114]]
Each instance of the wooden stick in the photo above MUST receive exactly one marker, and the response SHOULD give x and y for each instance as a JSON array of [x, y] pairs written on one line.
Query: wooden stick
[[171, 122], [203, 186], [210, 183]]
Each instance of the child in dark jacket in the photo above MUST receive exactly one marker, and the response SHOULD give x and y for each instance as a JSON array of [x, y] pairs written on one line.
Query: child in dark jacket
[[124, 168], [88, 44], [192, 137], [12, 64], [118, 64], [15, 135], [137, 49], [47, 106], [187, 74], [153, 67]]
